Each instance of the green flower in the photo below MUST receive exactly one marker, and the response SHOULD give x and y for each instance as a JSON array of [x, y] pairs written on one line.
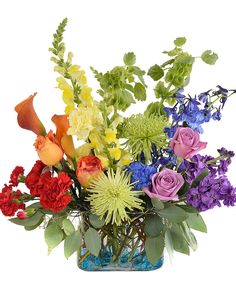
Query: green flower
[[141, 132], [111, 196]]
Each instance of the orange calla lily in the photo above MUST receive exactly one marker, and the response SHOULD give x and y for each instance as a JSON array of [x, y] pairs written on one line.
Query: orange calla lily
[[66, 141], [27, 117]]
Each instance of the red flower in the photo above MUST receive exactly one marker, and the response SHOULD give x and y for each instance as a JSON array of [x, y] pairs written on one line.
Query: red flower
[[16, 173], [88, 168], [33, 180], [21, 214], [55, 195], [9, 201]]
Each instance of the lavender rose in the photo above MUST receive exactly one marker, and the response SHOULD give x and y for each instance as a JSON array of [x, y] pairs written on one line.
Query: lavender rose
[[186, 142], [165, 185]]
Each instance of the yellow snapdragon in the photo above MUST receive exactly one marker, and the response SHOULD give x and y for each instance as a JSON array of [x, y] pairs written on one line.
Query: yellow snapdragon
[[110, 135], [67, 95], [77, 74], [115, 153]]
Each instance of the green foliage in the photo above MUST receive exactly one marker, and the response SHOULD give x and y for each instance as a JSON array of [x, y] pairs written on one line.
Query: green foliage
[[153, 225], [53, 236], [95, 221], [129, 58], [68, 227], [209, 57], [189, 236], [72, 243], [122, 85], [139, 92], [173, 213], [184, 189], [154, 248], [157, 204], [156, 72], [199, 178], [35, 219], [169, 244], [179, 41], [92, 241], [196, 222], [179, 241], [141, 132], [175, 72]]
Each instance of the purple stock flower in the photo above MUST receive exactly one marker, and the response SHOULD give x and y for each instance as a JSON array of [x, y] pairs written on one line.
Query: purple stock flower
[[210, 192]]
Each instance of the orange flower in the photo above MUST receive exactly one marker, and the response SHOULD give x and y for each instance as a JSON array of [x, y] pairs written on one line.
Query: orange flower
[[48, 150], [65, 141], [27, 117], [88, 168]]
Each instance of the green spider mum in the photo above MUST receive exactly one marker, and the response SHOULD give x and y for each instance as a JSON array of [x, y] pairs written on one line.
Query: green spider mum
[[141, 132], [111, 196]]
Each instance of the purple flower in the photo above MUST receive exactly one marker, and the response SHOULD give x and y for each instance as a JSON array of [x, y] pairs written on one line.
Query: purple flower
[[165, 185], [211, 192]]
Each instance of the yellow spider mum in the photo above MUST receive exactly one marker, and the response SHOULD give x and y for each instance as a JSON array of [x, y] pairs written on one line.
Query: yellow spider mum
[[111, 196]]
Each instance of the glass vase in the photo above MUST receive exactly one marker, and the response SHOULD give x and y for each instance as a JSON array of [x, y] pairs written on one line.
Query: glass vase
[[122, 248]]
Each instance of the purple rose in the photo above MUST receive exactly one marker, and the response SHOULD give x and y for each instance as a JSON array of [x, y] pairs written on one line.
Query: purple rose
[[165, 185], [186, 142]]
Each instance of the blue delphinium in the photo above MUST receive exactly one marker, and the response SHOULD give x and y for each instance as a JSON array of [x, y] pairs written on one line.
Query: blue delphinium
[[141, 174], [195, 111]]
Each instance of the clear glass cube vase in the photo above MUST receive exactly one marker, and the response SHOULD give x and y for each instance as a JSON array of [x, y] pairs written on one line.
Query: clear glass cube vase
[[122, 249]]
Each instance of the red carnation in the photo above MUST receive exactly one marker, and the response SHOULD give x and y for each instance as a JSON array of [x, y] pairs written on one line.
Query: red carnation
[[16, 173], [9, 203], [55, 195], [21, 214], [33, 179]]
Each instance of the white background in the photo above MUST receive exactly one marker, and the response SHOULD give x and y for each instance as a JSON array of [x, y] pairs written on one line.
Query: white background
[[99, 33]]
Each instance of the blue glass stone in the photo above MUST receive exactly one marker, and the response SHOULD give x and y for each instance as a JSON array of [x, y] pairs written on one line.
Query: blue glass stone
[[139, 261]]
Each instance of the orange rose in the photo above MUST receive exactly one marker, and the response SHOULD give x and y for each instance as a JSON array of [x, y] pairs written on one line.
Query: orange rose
[[88, 168], [48, 150]]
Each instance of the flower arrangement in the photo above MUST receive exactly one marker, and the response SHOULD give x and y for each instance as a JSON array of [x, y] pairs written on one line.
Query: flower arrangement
[[135, 185]]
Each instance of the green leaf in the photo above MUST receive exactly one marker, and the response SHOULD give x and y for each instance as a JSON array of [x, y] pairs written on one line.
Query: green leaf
[[156, 72], [173, 213], [169, 244], [179, 242], [72, 243], [189, 236], [139, 92], [179, 41], [157, 203], [53, 236], [154, 248], [184, 189], [95, 221], [196, 222], [129, 58], [93, 241], [68, 226], [153, 225], [29, 221], [209, 57], [33, 227], [188, 208], [160, 90], [199, 178]]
